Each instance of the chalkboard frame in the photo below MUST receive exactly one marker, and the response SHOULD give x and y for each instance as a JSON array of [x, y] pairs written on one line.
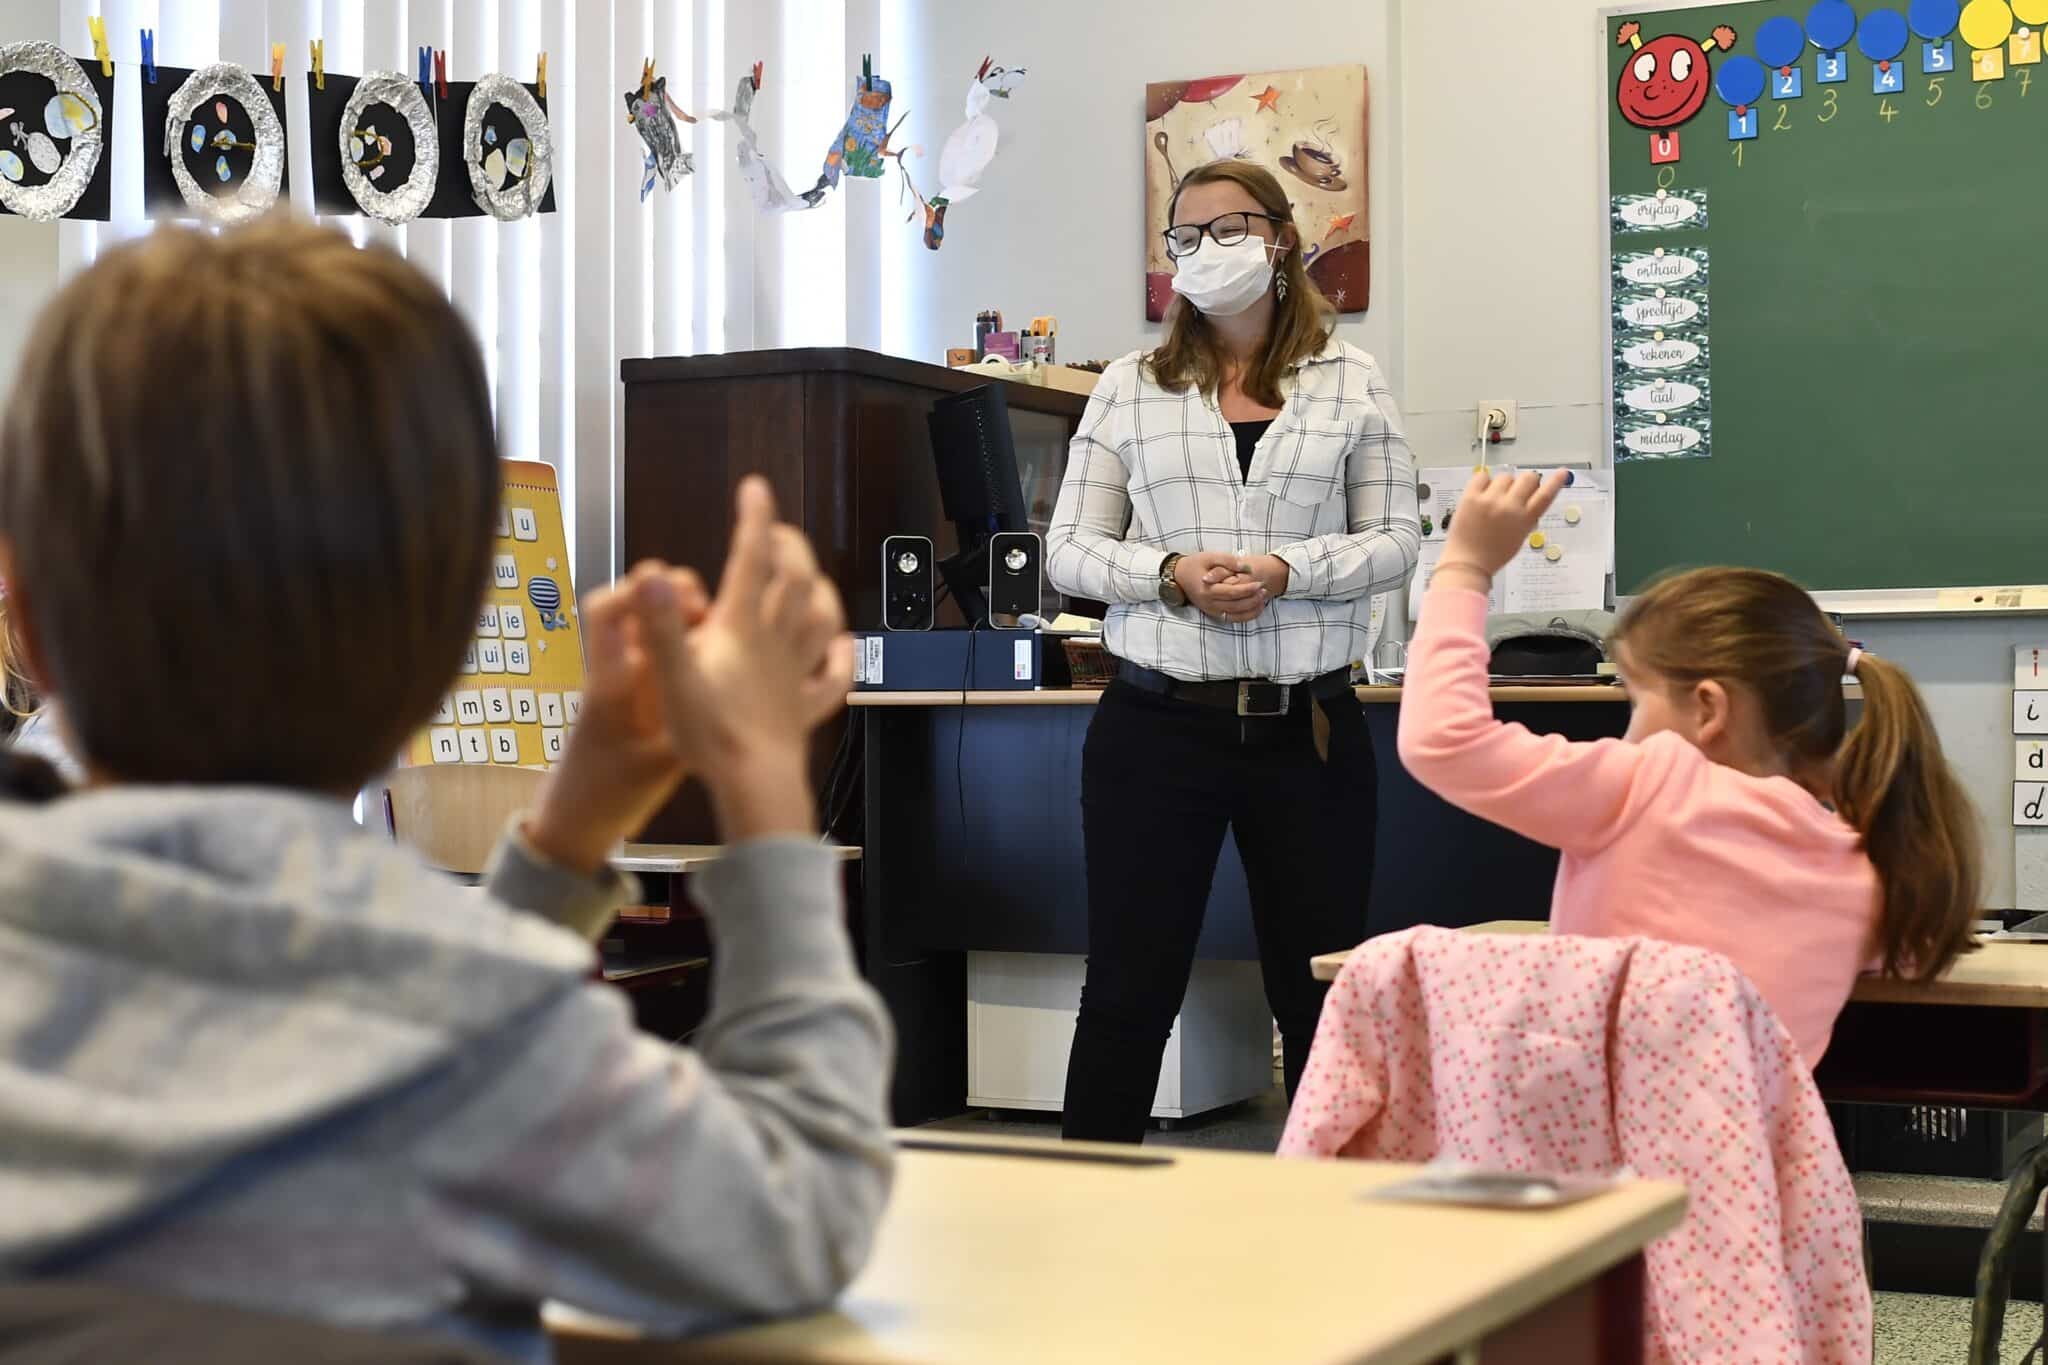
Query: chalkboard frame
[[2019, 598]]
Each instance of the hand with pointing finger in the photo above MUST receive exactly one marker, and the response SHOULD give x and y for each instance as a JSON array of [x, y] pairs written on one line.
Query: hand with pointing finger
[[1495, 517], [743, 690]]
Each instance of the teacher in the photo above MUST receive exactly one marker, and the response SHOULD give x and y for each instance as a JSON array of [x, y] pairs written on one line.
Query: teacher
[[1238, 496]]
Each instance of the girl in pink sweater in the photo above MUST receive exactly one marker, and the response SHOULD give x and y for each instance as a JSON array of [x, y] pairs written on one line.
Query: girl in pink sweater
[[1733, 815]]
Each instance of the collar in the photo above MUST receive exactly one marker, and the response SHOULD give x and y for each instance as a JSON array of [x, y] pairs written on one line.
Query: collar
[[1332, 350]]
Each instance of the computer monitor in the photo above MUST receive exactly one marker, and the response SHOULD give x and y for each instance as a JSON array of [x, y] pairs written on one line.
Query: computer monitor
[[979, 489]]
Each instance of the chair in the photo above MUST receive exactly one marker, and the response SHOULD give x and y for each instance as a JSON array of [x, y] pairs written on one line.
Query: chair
[[1575, 1055], [453, 814]]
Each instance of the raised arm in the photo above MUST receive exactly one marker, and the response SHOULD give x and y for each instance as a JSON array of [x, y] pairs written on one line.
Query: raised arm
[[1572, 796]]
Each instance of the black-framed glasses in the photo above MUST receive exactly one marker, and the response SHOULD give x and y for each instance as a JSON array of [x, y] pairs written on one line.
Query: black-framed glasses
[[1226, 229]]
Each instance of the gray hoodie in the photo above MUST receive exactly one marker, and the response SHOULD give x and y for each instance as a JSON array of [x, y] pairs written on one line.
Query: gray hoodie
[[251, 1052]]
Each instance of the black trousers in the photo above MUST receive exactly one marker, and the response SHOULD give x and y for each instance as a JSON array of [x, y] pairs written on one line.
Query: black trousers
[[1161, 780]]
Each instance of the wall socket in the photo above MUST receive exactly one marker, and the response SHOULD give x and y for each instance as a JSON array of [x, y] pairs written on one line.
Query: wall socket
[[1496, 415]]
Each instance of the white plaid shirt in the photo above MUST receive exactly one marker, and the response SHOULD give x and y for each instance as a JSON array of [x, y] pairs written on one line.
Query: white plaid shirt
[[1331, 491]]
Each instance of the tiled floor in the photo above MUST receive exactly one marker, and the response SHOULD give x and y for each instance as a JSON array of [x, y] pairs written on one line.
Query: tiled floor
[[1925, 1329], [1912, 1329]]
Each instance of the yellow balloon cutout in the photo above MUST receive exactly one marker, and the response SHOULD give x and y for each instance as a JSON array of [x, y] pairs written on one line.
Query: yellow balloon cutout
[[2033, 13], [1986, 24]]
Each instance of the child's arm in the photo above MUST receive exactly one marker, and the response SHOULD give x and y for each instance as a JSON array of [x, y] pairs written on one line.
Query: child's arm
[[623, 1175], [1569, 795], [680, 1187]]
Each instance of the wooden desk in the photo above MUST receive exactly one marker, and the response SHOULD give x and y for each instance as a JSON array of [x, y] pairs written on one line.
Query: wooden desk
[[1216, 1257], [677, 860], [1088, 696], [1999, 973], [1976, 1037]]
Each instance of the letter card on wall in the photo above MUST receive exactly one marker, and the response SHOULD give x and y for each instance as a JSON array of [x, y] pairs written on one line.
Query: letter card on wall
[[521, 685]]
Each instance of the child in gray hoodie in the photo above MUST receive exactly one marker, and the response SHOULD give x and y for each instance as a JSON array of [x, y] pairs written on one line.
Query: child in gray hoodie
[[253, 1053]]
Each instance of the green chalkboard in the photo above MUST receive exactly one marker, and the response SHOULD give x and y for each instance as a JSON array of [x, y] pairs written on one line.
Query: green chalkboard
[[1876, 324]]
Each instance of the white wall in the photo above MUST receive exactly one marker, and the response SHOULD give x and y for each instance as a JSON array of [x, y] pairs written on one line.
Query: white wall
[[1058, 226]]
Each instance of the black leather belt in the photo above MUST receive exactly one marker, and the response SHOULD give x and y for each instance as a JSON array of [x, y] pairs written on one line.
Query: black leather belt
[[1245, 696]]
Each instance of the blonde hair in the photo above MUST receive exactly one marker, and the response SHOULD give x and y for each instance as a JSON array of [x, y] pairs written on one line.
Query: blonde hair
[[17, 690], [1190, 353], [1890, 780]]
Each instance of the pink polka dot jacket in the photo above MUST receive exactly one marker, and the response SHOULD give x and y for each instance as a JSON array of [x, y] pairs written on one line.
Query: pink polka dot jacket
[[1574, 1054]]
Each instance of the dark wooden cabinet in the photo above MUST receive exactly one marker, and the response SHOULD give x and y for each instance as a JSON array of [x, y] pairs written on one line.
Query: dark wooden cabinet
[[841, 436], [839, 433]]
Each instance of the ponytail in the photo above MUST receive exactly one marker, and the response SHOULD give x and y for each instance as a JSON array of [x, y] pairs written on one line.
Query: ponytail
[[1893, 785]]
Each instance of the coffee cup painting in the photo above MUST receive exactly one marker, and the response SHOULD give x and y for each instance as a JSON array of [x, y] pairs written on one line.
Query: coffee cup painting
[[1308, 127]]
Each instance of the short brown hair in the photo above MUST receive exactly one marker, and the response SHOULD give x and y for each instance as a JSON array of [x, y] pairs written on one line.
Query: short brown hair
[[249, 483], [1190, 355], [1888, 775]]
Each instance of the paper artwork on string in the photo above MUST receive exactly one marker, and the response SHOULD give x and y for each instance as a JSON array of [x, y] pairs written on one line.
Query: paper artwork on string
[[54, 116], [376, 146], [653, 112], [1665, 83], [770, 192], [862, 148], [223, 144], [1664, 211], [508, 147], [1308, 127], [968, 151]]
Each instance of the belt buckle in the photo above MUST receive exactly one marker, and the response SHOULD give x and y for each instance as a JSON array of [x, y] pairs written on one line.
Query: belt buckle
[[1262, 699]]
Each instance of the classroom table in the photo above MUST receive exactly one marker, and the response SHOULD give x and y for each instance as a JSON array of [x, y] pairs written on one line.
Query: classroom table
[[1015, 1250], [972, 832]]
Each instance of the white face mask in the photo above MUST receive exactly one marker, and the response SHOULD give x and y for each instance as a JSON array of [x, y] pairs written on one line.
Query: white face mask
[[1223, 281]]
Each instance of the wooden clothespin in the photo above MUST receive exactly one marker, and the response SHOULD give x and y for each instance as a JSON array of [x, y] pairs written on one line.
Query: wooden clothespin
[[541, 79], [277, 66], [425, 79], [98, 25], [760, 71], [646, 76], [149, 55], [441, 72], [319, 55]]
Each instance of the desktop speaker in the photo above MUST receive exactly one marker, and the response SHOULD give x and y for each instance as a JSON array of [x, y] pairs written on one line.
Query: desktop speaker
[[907, 583], [1016, 566]]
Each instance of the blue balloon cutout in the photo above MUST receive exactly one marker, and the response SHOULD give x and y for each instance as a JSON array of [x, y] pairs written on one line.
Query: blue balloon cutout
[[1831, 24], [1740, 80], [1882, 35], [1934, 19], [1780, 41]]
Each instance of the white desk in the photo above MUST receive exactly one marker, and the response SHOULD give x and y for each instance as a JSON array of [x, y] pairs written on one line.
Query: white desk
[[1219, 1257]]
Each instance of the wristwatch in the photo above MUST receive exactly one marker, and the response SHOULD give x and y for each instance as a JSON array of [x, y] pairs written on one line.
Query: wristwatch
[[1169, 587]]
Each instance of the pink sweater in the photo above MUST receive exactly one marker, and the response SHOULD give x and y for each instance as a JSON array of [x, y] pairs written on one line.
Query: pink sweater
[[1657, 838]]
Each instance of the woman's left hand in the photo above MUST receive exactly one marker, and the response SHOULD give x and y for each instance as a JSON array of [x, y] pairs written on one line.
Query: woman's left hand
[[1269, 572]]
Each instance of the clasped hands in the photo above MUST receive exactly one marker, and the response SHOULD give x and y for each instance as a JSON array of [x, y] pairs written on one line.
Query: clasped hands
[[680, 684], [1230, 587]]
